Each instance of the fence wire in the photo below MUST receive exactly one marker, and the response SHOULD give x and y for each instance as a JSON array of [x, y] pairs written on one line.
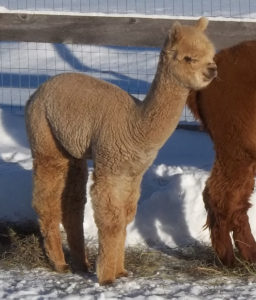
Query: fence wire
[[24, 66], [209, 8]]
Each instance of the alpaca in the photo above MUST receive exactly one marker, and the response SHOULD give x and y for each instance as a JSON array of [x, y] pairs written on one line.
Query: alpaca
[[74, 117], [227, 109]]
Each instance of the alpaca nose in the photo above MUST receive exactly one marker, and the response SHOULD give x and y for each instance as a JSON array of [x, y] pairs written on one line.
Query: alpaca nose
[[212, 70]]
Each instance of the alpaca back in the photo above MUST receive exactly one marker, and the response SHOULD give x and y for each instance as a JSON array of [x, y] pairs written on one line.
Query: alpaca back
[[227, 107], [80, 105]]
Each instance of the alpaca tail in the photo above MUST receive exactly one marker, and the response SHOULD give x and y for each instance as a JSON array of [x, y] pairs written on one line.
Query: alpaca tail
[[30, 115]]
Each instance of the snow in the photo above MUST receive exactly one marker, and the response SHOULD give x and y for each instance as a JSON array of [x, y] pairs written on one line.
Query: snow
[[40, 284]]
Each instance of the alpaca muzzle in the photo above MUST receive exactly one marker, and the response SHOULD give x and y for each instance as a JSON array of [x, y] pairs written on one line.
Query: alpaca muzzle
[[211, 71]]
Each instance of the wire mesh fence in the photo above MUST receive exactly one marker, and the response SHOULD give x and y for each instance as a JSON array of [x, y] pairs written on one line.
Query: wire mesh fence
[[210, 8], [24, 66]]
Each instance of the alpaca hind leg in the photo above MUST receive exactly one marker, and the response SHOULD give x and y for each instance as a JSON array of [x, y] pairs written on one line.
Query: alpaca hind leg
[[49, 179], [214, 196], [110, 220], [242, 234], [73, 202], [243, 238]]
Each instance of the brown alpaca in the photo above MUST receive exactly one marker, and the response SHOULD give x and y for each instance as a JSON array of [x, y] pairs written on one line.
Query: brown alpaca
[[74, 117], [227, 109]]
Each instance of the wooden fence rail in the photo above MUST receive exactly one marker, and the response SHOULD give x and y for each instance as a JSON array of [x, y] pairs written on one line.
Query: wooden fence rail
[[110, 30]]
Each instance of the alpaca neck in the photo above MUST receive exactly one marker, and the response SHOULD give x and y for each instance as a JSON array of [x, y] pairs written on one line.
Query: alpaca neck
[[162, 107]]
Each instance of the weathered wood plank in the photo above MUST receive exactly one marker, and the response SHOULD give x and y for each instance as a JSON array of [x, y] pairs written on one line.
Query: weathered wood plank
[[109, 30]]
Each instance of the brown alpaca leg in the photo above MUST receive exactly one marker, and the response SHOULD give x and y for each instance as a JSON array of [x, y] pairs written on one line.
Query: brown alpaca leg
[[110, 220], [214, 196], [244, 239], [226, 199], [109, 241], [120, 269], [49, 178], [129, 211], [242, 234], [73, 202]]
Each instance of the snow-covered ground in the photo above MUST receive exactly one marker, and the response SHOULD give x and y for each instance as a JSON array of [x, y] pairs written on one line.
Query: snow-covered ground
[[41, 285]]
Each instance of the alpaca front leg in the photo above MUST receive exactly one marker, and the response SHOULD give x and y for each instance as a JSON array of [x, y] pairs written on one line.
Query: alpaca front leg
[[110, 220], [130, 209], [120, 268], [109, 251]]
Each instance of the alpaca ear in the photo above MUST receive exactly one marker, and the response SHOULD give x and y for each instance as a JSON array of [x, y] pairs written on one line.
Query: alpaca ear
[[202, 24], [175, 32]]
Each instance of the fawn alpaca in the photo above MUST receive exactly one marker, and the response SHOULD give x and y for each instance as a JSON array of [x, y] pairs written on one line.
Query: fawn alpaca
[[74, 117], [227, 109]]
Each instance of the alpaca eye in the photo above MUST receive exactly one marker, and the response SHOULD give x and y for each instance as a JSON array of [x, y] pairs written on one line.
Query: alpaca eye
[[188, 59]]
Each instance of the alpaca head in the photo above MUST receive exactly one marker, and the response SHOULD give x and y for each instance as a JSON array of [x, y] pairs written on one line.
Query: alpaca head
[[189, 54]]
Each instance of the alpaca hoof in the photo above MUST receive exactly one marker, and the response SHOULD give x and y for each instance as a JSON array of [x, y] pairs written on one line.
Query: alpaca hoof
[[106, 281], [79, 268], [61, 268], [228, 261], [87, 265], [250, 257], [82, 267], [123, 273]]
